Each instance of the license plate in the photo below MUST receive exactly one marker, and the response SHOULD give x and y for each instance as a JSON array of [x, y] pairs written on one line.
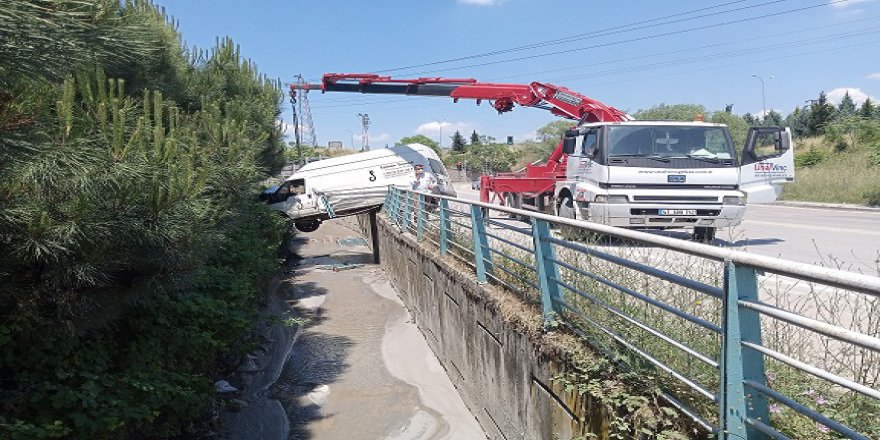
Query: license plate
[[678, 212]]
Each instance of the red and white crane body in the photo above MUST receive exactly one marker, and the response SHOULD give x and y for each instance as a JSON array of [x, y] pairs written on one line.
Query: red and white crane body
[[614, 170], [560, 101]]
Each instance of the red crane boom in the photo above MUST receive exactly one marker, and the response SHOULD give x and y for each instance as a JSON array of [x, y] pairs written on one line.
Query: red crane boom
[[536, 179]]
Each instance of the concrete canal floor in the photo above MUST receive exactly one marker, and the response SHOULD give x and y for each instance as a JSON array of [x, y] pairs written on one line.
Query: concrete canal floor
[[357, 368]]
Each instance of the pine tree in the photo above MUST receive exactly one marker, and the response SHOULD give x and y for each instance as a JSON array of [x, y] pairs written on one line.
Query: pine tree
[[846, 108], [475, 138], [868, 109], [821, 113], [458, 142]]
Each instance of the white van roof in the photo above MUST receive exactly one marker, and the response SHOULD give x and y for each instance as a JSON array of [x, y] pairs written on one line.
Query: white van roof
[[326, 165]]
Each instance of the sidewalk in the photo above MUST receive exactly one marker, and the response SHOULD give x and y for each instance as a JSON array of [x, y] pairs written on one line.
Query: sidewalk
[[359, 368]]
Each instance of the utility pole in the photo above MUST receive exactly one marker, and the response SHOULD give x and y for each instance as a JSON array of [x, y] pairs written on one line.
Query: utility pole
[[296, 135], [763, 96], [365, 138]]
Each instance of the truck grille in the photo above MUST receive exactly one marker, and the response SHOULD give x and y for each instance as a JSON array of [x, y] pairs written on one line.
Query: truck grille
[[675, 199], [700, 212]]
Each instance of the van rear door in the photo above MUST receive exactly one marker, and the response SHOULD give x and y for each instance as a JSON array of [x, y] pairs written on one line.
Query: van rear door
[[767, 163]]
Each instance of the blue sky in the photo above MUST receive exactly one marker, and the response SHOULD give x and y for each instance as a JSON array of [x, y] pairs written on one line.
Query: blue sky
[[628, 54]]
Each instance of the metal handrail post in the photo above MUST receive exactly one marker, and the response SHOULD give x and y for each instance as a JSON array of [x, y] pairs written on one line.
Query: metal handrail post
[[481, 243], [732, 405], [407, 216], [757, 406], [420, 224], [444, 226], [391, 208], [547, 271], [395, 213]]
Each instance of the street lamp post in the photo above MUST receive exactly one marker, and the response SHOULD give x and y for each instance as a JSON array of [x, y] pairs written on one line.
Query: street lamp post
[[763, 96], [440, 127]]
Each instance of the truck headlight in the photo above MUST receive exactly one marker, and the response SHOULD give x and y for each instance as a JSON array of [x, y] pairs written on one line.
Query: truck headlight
[[611, 199], [734, 200]]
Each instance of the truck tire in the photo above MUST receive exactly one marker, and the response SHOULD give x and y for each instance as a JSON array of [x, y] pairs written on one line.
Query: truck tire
[[307, 225], [704, 234]]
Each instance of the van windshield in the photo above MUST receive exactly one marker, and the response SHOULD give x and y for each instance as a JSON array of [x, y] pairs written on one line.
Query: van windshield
[[669, 141], [437, 167]]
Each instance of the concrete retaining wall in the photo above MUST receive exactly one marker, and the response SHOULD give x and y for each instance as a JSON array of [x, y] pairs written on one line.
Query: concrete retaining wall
[[490, 343]]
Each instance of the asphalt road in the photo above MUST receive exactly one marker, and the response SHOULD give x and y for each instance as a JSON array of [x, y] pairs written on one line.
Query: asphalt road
[[834, 237]]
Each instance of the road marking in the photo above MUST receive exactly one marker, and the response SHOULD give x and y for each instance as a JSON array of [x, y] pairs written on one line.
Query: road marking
[[828, 210], [813, 227]]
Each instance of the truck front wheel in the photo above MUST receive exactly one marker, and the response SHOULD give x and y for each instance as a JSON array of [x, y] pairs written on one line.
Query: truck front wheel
[[704, 234], [307, 225]]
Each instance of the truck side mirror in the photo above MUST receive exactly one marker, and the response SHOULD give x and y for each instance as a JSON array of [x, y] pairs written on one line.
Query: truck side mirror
[[569, 142]]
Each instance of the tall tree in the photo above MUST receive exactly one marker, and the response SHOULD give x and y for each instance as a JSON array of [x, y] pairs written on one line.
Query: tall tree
[[868, 109], [773, 118], [475, 138], [458, 142], [799, 121], [846, 108], [821, 113], [751, 120]]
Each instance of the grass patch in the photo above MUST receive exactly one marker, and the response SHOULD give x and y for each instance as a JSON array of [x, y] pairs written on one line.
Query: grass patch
[[847, 177]]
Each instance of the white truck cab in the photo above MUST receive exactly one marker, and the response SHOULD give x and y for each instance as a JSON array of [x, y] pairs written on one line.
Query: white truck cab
[[352, 184], [664, 175]]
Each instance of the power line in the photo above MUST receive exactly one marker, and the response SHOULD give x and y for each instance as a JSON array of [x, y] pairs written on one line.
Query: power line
[[570, 38], [707, 57], [631, 40], [764, 37]]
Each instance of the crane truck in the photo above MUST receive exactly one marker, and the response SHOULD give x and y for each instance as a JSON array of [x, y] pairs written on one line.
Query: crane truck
[[610, 168]]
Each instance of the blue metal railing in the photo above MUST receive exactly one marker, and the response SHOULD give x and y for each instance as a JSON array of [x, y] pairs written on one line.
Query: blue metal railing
[[529, 260]]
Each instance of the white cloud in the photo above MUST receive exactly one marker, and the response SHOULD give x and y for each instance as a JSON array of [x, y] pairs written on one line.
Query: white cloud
[[286, 129], [480, 2], [857, 95], [760, 113], [530, 136], [845, 4], [379, 138], [432, 129], [873, 76]]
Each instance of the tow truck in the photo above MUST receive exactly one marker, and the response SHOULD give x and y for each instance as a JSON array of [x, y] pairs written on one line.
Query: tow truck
[[610, 168]]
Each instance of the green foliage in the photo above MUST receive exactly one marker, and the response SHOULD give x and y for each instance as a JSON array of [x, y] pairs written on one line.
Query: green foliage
[[821, 114], [868, 110], [421, 139], [676, 112], [810, 158], [134, 253], [485, 157], [475, 138], [846, 108], [738, 128], [458, 143]]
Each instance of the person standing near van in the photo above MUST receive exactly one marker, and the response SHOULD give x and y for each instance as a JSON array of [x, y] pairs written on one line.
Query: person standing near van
[[426, 182]]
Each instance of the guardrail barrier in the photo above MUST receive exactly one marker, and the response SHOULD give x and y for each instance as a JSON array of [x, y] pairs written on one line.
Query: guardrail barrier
[[731, 335]]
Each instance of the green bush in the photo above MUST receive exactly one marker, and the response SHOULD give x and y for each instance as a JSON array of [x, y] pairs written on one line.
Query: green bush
[[134, 251], [808, 159]]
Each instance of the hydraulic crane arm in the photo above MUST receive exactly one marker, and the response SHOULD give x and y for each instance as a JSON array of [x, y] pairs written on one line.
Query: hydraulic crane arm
[[537, 179], [558, 100]]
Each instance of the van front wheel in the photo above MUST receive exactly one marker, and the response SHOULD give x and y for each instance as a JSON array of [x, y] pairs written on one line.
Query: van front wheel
[[307, 225]]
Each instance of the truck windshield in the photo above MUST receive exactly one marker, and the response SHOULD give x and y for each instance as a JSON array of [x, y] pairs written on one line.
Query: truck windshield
[[670, 141]]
